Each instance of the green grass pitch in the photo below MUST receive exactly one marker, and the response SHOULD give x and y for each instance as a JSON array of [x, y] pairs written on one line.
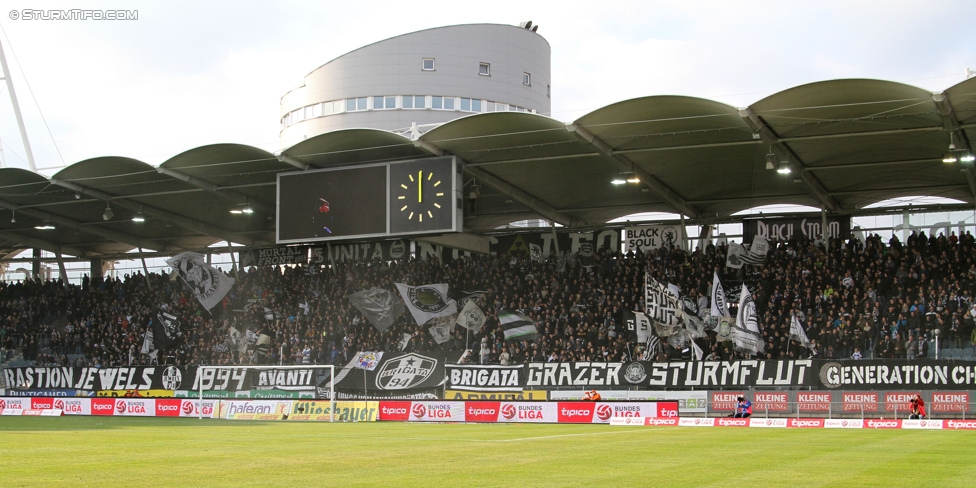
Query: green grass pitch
[[116, 452]]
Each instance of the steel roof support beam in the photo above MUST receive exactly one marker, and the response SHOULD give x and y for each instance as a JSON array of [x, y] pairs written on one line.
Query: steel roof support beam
[[113, 235], [19, 239], [182, 221], [229, 195], [949, 122], [542, 208], [650, 181], [771, 138], [293, 162]]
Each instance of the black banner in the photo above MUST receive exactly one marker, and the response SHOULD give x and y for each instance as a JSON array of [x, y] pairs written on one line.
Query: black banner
[[239, 379], [406, 374], [720, 374], [582, 243], [880, 375], [271, 256], [485, 377], [96, 379], [397, 373], [782, 229], [363, 251]]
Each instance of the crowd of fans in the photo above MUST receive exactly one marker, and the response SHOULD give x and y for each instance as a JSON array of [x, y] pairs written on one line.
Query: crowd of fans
[[857, 299]]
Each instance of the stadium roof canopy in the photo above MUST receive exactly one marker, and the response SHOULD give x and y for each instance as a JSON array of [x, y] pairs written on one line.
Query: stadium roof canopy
[[849, 143]]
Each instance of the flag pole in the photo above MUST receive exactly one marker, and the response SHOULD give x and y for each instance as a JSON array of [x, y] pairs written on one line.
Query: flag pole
[[789, 335]]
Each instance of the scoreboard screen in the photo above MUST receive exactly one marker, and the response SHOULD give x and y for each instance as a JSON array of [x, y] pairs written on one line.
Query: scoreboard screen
[[387, 199]]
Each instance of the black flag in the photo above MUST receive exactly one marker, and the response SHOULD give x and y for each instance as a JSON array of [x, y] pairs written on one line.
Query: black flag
[[167, 330]]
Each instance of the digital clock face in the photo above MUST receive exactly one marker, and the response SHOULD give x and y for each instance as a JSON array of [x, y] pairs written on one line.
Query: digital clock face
[[422, 196], [371, 200]]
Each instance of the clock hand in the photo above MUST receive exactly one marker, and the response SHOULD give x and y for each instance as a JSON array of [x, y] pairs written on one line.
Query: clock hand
[[420, 186]]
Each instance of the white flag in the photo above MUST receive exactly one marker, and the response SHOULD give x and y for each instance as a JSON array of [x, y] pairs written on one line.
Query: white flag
[[797, 333], [147, 342], [664, 309], [720, 305], [368, 360], [471, 317], [440, 328], [427, 301], [535, 251], [696, 351], [745, 333], [210, 285]]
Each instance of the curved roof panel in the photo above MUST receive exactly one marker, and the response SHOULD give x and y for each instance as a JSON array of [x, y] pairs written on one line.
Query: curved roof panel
[[849, 143], [352, 146]]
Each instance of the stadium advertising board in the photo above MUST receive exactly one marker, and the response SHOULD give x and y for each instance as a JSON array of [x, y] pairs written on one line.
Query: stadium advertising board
[[252, 409], [365, 411], [531, 412], [949, 401], [515, 395], [688, 401], [813, 401]]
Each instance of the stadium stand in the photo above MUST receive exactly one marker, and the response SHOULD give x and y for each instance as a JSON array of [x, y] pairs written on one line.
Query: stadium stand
[[884, 298]]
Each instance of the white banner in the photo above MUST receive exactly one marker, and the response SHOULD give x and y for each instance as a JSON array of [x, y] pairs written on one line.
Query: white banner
[[650, 237]]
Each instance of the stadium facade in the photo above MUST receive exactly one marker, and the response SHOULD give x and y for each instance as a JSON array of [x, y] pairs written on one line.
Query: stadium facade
[[412, 82]]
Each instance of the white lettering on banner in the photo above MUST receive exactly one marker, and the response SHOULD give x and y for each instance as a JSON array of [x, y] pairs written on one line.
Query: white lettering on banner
[[219, 380], [784, 231], [728, 373], [64, 378], [651, 237], [507, 377], [573, 374], [835, 375]]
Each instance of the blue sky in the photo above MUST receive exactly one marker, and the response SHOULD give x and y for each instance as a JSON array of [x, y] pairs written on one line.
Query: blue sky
[[187, 74]]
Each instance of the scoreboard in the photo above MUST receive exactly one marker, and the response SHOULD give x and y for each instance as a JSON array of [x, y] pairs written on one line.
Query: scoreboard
[[416, 197]]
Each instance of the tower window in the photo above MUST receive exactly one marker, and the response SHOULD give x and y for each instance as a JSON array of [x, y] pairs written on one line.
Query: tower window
[[428, 64], [484, 69], [526, 79]]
